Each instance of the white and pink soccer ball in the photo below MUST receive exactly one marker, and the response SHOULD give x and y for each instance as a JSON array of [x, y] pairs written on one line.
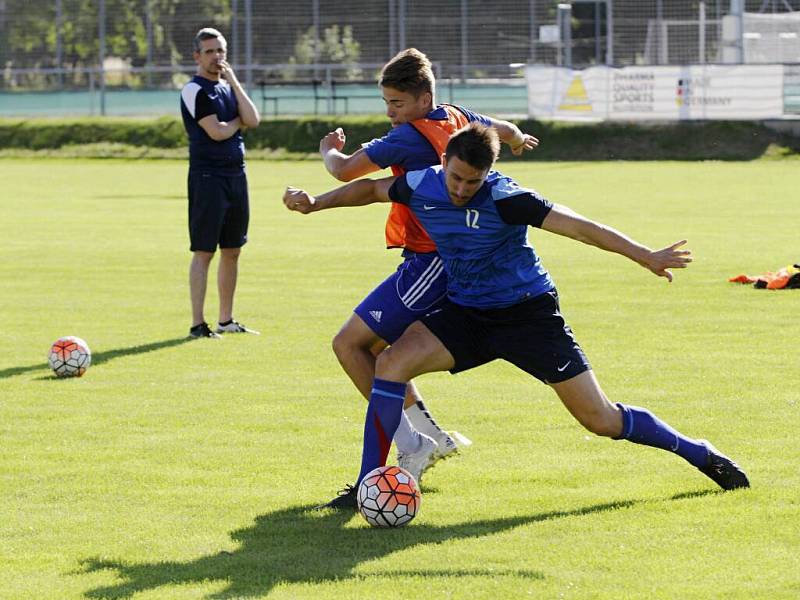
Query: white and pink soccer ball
[[388, 497], [69, 357]]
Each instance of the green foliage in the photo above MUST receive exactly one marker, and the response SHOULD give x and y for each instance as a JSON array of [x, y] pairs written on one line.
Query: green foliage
[[165, 132], [33, 38], [559, 141], [36, 34], [337, 46], [711, 140], [177, 469]]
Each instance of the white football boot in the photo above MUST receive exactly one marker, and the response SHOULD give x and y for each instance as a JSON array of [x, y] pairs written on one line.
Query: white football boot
[[449, 444], [235, 327], [418, 462]]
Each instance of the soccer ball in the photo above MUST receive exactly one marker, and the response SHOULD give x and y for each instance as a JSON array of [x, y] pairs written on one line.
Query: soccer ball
[[388, 497], [69, 357]]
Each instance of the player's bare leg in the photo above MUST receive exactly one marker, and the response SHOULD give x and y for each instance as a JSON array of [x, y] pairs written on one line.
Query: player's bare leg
[[584, 398], [417, 351], [356, 346], [198, 282], [227, 274]]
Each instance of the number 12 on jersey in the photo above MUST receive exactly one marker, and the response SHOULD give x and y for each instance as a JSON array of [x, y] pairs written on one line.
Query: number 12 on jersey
[[472, 218]]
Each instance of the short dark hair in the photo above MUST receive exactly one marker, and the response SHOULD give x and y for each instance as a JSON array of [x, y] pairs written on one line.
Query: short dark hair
[[476, 144], [409, 71], [207, 33]]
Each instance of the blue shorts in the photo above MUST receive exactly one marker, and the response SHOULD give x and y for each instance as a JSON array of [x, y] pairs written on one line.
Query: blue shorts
[[531, 335], [417, 287], [219, 211]]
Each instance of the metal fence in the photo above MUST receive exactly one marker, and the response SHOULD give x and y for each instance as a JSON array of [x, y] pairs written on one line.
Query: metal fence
[[94, 47]]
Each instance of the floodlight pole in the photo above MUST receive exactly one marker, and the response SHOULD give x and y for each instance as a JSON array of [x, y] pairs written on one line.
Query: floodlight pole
[[248, 43], [234, 46], [564, 20], [532, 37], [702, 25], [597, 32], [662, 37], [610, 32], [148, 26], [392, 28], [401, 21], [737, 10], [317, 36], [59, 39], [464, 39], [101, 35]]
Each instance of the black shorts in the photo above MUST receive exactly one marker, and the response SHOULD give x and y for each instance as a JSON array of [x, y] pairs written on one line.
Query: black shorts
[[219, 211], [531, 335]]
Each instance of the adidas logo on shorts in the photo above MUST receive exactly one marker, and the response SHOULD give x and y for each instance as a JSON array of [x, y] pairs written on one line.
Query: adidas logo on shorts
[[376, 314]]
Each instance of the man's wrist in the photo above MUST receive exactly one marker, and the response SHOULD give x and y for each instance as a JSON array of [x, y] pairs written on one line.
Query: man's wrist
[[517, 139], [320, 202], [329, 158]]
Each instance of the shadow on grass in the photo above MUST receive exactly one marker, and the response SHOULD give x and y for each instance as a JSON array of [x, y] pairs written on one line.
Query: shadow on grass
[[138, 197], [697, 494], [299, 545], [99, 358]]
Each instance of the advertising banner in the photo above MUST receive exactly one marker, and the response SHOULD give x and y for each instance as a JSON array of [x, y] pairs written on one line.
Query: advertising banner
[[658, 93]]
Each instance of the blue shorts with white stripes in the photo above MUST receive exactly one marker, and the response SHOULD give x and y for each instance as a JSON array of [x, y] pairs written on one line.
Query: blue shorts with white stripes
[[417, 287]]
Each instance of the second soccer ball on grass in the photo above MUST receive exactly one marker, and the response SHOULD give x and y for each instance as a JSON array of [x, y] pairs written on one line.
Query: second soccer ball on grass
[[69, 357]]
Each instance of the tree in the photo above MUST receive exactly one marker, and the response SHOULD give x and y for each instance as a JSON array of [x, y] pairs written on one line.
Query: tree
[[337, 46]]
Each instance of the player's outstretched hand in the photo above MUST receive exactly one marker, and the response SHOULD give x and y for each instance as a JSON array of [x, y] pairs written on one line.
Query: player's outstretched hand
[[528, 143], [333, 140], [671, 257], [298, 200]]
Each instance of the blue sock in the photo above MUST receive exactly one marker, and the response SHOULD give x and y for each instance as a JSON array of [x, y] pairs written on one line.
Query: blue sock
[[383, 417], [640, 426]]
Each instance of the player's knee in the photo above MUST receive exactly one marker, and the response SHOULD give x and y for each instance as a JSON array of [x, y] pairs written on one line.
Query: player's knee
[[342, 345], [231, 253], [350, 341], [393, 365], [202, 259]]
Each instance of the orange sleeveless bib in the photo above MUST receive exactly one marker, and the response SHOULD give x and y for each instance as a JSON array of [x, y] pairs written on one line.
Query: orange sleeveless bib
[[403, 230]]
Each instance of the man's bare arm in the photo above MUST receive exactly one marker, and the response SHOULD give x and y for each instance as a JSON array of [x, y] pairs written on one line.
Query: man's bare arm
[[357, 193], [566, 222], [513, 136], [344, 167], [217, 130]]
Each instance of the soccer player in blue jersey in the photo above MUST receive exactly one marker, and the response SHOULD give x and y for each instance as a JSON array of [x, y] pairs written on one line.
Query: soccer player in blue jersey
[[420, 130], [215, 110], [502, 302]]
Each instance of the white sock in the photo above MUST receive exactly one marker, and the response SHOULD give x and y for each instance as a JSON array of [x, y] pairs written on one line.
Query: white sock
[[422, 420], [406, 437]]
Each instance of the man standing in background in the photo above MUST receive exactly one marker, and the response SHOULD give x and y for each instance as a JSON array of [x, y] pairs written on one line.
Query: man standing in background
[[215, 110]]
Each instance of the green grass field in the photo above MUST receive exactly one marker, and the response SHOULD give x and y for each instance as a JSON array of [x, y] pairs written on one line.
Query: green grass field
[[179, 469]]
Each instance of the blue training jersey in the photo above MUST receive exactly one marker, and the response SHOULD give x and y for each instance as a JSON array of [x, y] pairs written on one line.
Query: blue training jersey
[[489, 262], [406, 147], [200, 98]]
